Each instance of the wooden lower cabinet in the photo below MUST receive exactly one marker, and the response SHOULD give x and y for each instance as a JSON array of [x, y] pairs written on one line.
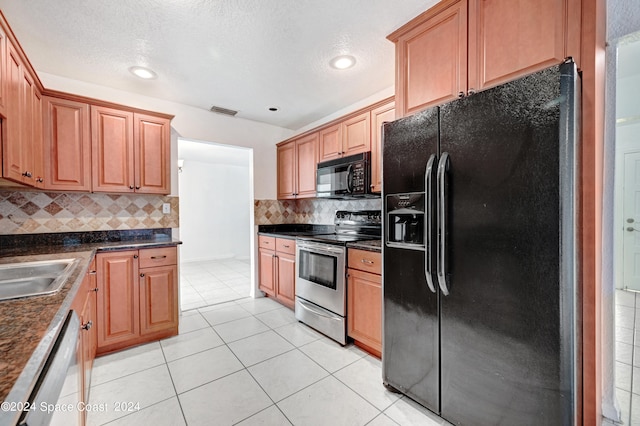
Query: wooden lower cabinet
[[136, 304], [364, 300], [277, 269]]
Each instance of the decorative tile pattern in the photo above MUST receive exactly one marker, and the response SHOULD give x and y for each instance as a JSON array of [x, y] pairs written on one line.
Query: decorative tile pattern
[[25, 212], [314, 211]]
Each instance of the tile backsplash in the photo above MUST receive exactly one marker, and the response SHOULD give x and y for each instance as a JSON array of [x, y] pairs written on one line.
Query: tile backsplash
[[27, 212], [315, 211]]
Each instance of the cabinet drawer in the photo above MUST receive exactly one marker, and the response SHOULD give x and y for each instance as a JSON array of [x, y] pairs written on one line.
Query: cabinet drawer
[[368, 261], [158, 257], [286, 246], [267, 242]]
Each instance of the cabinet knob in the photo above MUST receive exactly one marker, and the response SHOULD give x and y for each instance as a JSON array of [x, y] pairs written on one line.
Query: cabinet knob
[[39, 180], [93, 272], [27, 174], [367, 261], [141, 275], [87, 326], [471, 92], [135, 256], [461, 94], [130, 186], [137, 187], [95, 289]]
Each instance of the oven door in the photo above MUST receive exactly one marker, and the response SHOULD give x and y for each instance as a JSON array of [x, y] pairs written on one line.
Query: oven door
[[320, 271]]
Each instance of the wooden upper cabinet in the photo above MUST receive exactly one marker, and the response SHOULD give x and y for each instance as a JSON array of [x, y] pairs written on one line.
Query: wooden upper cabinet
[[356, 134], [112, 150], [306, 164], [286, 170], [431, 57], [152, 154], [38, 139], [330, 142], [297, 161], [3, 73], [461, 46], [379, 115], [510, 38], [67, 145], [12, 153]]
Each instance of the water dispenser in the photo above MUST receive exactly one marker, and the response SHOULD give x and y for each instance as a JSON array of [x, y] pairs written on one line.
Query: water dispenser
[[405, 220]]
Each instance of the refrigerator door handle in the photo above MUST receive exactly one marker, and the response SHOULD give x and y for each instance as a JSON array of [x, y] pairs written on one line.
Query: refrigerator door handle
[[428, 226], [443, 167]]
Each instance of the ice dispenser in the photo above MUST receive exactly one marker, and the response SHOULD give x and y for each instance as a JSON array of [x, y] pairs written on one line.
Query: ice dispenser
[[405, 220]]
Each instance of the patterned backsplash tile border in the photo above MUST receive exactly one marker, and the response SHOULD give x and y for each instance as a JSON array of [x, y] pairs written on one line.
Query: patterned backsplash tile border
[[313, 211], [32, 212]]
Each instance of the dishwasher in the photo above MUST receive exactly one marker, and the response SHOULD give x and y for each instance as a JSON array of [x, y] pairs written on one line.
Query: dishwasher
[[60, 366]]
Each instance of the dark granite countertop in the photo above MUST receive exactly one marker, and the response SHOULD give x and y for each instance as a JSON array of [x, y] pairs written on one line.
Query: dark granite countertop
[[369, 245], [29, 326]]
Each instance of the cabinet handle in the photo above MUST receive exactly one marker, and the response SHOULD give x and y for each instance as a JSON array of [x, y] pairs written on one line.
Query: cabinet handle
[[130, 186], [159, 257], [367, 261], [95, 289], [39, 180], [87, 326], [135, 256], [93, 272], [137, 187], [27, 174], [461, 94], [141, 275], [471, 92], [285, 246]]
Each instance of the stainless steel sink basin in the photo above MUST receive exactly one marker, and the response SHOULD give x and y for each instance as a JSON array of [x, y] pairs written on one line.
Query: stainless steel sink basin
[[34, 278]]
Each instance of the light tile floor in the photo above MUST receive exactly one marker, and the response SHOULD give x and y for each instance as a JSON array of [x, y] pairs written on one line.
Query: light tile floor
[[212, 282], [627, 370], [247, 362]]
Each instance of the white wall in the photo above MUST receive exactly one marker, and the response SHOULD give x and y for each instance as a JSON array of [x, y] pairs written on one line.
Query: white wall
[[214, 210], [195, 123]]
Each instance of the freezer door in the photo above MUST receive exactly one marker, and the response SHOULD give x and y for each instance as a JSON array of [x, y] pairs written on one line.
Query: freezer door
[[410, 355], [505, 326]]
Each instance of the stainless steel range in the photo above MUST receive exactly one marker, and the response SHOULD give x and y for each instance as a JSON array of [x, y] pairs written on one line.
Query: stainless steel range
[[321, 296]]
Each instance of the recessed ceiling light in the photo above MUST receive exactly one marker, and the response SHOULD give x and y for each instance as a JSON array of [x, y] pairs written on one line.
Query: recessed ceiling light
[[143, 72], [343, 62]]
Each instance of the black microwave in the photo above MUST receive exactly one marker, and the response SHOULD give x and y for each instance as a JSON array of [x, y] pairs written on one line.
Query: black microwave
[[346, 177]]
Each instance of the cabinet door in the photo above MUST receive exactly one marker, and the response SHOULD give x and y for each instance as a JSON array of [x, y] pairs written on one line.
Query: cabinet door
[[12, 155], [356, 134], [26, 122], [67, 145], [509, 38], [152, 154], [330, 143], [306, 164], [118, 297], [3, 73], [286, 286], [89, 342], [431, 58], [364, 298], [287, 171], [158, 299], [379, 115], [112, 150], [267, 276], [38, 141]]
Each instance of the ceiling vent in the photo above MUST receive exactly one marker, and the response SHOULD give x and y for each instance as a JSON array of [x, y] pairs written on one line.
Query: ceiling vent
[[225, 111]]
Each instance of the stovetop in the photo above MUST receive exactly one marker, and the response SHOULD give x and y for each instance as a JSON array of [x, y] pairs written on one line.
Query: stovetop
[[351, 226]]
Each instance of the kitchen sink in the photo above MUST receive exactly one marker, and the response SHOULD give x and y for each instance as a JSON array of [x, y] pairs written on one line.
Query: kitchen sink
[[28, 279]]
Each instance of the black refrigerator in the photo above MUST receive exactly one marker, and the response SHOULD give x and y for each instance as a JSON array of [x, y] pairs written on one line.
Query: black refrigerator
[[480, 301]]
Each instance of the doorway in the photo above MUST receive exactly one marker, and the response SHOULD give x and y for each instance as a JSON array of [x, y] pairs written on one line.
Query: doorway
[[216, 223], [626, 231]]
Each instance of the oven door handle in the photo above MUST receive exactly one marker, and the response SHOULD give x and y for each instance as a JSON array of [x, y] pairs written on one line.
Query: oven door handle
[[306, 305], [320, 248]]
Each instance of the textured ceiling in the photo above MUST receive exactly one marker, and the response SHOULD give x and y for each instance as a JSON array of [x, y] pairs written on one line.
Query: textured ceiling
[[246, 55]]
